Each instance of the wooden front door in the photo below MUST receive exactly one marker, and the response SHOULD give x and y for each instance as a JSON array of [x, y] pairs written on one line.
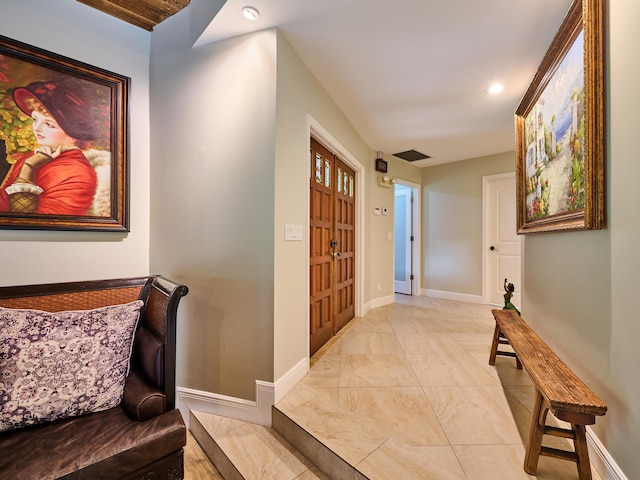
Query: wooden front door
[[332, 245]]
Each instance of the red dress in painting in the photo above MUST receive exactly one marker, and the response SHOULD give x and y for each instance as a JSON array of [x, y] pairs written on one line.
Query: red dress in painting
[[68, 183]]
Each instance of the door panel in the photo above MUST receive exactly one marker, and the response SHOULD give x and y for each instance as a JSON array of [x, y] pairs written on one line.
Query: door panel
[[403, 232], [344, 253], [321, 308], [332, 245], [503, 250]]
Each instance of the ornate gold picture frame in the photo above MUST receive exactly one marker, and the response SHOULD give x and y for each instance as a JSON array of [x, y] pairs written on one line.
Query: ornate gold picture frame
[[560, 132]]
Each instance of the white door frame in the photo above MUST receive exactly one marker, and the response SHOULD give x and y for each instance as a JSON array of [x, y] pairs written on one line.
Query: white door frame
[[402, 243], [323, 136], [486, 180], [416, 284]]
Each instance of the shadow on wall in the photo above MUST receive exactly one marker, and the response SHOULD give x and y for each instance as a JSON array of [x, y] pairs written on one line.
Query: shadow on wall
[[225, 339]]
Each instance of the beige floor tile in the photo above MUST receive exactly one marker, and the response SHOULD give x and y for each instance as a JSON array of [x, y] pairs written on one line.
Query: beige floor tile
[[346, 433], [376, 371], [269, 458], [447, 369], [376, 323], [395, 460], [402, 413], [554, 469], [492, 462], [429, 343], [408, 310], [414, 325], [370, 343], [479, 415], [524, 393], [332, 347], [473, 342], [312, 474], [496, 462], [375, 314], [504, 371], [215, 425], [471, 324], [197, 465], [406, 392], [303, 393], [325, 371]]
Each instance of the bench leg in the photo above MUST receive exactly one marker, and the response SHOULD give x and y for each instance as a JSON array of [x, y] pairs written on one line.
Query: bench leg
[[539, 429], [494, 345], [582, 452], [534, 445], [499, 338]]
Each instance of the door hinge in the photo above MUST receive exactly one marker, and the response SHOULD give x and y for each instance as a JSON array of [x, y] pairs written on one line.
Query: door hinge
[[411, 238], [410, 277]]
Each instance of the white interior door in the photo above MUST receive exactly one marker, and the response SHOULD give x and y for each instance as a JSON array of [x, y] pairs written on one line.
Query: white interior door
[[403, 233], [502, 245]]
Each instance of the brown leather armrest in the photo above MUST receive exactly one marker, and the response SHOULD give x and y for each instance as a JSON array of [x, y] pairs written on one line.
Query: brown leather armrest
[[141, 400]]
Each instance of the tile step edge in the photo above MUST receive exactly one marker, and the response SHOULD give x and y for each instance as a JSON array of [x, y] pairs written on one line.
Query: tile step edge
[[332, 465], [325, 460]]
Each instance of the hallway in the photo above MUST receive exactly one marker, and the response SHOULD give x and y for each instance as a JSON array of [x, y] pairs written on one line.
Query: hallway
[[406, 392]]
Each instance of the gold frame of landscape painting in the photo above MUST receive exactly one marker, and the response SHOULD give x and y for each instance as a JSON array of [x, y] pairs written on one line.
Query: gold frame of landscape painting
[[560, 133]]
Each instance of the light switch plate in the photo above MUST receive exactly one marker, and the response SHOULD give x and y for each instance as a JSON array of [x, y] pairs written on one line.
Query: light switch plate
[[293, 232]]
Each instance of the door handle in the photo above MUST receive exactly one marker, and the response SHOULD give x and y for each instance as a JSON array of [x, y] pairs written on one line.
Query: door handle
[[335, 254], [492, 248]]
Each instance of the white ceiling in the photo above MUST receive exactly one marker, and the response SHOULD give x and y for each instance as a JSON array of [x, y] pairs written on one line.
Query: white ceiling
[[412, 74]]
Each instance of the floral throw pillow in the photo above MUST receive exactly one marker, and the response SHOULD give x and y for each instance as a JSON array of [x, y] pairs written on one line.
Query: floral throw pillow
[[64, 364]]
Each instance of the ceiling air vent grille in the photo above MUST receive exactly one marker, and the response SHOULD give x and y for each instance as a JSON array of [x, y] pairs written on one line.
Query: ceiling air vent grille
[[411, 155]]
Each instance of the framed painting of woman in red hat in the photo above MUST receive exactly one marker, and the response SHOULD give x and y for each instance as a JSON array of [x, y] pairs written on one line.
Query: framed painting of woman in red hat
[[63, 142]]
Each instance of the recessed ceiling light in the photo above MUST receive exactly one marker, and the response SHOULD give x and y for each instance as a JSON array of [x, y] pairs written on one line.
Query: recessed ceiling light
[[495, 88], [250, 13]]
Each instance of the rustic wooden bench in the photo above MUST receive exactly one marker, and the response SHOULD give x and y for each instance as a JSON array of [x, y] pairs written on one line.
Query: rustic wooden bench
[[558, 389]]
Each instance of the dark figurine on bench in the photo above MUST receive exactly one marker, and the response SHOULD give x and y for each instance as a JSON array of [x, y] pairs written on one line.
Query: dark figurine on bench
[[509, 289], [498, 336]]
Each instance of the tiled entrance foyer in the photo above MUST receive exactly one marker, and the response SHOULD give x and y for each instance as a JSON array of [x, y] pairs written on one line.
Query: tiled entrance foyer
[[406, 392]]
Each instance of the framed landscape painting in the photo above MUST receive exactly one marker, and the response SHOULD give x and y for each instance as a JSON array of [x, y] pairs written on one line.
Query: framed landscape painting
[[560, 134], [63, 142]]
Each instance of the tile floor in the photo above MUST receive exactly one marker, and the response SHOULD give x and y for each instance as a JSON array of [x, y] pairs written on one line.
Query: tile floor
[[406, 392], [196, 464], [255, 452]]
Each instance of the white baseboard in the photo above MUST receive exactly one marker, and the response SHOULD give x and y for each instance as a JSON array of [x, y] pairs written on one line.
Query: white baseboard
[[601, 460], [460, 297], [258, 411], [290, 379], [378, 302]]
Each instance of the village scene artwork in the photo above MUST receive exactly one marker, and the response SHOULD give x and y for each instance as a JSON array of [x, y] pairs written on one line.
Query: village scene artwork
[[554, 134]]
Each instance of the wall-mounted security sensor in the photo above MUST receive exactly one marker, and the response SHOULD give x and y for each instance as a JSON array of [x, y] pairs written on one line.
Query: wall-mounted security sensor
[[381, 165]]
